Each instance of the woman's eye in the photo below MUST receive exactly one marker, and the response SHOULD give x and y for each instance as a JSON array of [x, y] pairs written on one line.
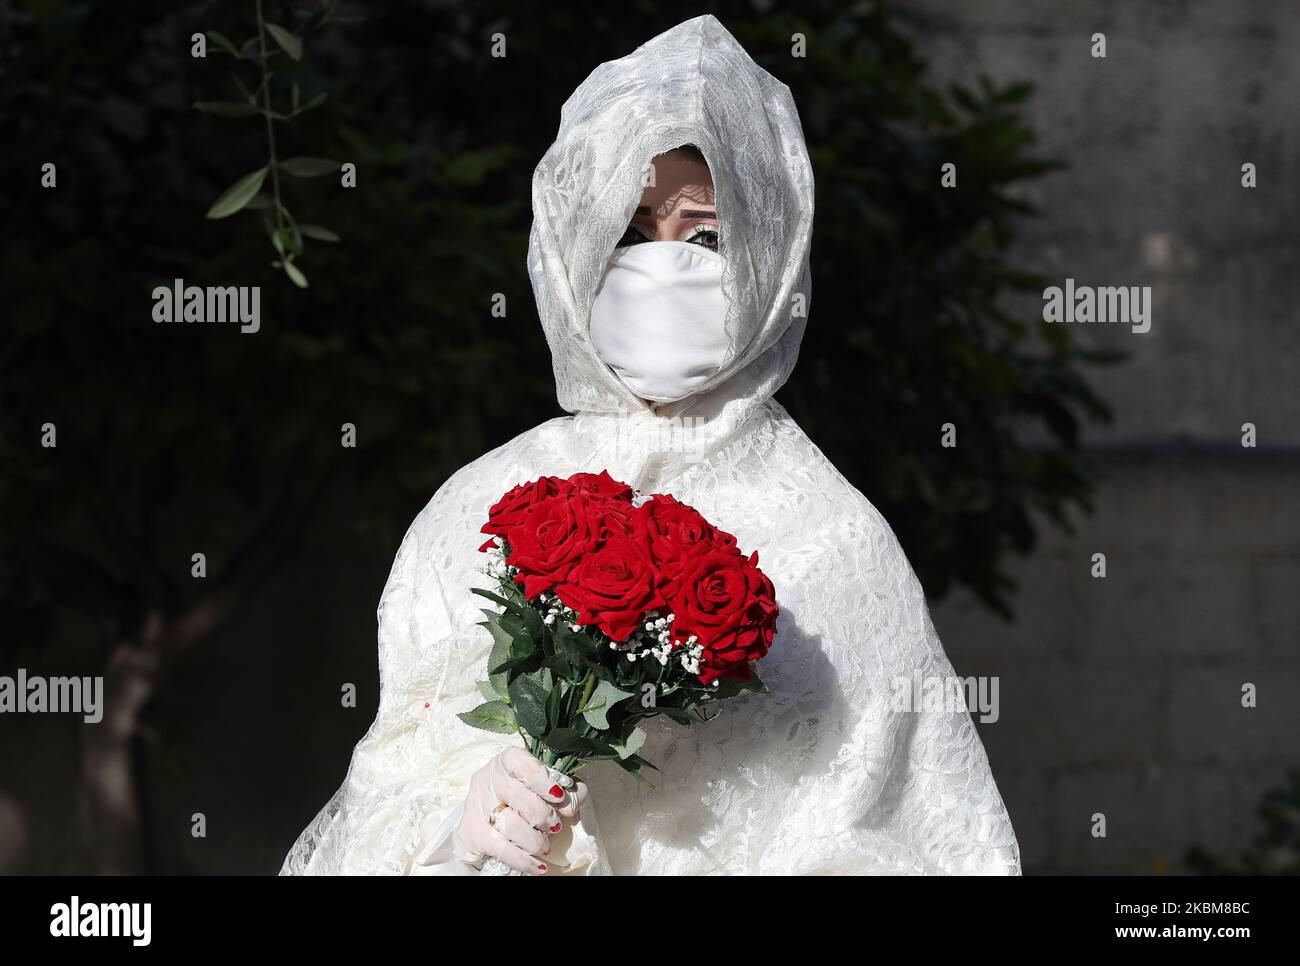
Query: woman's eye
[[706, 236], [633, 236]]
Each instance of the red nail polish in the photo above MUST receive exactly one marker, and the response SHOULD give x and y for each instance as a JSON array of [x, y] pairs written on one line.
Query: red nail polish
[[557, 791], [555, 827], [541, 867], [547, 852]]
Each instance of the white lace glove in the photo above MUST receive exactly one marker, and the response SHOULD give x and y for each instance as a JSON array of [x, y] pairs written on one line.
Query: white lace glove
[[513, 805]]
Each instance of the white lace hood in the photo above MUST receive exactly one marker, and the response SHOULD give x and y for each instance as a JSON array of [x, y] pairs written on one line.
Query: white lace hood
[[692, 84]]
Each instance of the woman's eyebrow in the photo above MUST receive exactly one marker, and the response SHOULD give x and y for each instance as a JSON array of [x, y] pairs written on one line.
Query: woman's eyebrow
[[643, 211]]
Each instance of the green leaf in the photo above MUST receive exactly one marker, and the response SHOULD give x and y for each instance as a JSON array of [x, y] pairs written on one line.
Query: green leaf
[[557, 663], [524, 644], [490, 596], [295, 274], [680, 715], [500, 654], [567, 741], [603, 698], [290, 44], [227, 108], [238, 195], [633, 744], [554, 705], [586, 644], [730, 687], [316, 101], [494, 716], [223, 42], [528, 698], [533, 621], [569, 648], [308, 167], [495, 598], [485, 688], [580, 649], [248, 98], [319, 233], [510, 622], [603, 673], [600, 750], [287, 240], [513, 664], [499, 634], [632, 765]]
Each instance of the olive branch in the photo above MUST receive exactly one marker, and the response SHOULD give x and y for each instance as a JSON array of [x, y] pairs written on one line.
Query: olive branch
[[287, 236]]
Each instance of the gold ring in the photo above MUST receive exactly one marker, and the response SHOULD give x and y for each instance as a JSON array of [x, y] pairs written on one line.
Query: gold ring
[[492, 818]]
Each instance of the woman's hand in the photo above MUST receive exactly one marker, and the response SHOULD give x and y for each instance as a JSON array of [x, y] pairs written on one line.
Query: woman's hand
[[535, 800]]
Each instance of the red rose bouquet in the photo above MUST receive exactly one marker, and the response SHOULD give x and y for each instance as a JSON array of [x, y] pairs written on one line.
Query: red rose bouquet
[[613, 607]]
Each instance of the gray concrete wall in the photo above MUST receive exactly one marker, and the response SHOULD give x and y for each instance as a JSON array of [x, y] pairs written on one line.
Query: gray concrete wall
[[1123, 695], [1155, 135]]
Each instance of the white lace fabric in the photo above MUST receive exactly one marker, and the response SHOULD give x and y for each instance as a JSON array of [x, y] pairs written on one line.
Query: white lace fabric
[[819, 776]]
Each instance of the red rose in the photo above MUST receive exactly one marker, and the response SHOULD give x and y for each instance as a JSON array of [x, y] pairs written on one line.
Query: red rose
[[675, 533], [509, 511], [725, 601], [612, 587], [614, 518], [550, 540], [600, 484]]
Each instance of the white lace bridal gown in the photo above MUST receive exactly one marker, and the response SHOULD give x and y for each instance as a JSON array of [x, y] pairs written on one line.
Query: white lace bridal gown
[[819, 776]]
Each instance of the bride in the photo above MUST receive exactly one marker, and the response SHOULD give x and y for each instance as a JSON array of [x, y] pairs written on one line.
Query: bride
[[669, 260]]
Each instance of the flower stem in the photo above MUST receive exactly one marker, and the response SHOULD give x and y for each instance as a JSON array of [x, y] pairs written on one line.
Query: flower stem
[[568, 762], [266, 110]]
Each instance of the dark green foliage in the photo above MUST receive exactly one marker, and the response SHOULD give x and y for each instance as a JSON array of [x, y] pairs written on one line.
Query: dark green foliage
[[1275, 849], [176, 437]]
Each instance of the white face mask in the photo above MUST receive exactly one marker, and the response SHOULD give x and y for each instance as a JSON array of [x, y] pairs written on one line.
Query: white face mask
[[657, 319]]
